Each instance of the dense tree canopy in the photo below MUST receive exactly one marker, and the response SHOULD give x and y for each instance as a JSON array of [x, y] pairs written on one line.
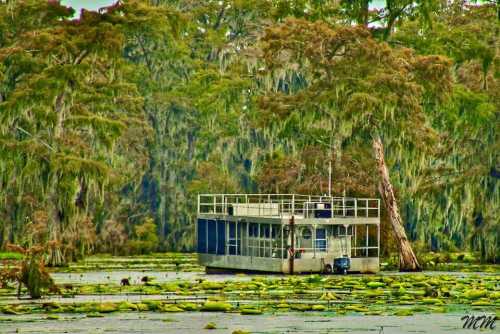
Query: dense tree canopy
[[113, 122]]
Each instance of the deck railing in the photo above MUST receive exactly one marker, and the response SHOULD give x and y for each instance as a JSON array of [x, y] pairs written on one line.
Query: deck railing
[[285, 205]]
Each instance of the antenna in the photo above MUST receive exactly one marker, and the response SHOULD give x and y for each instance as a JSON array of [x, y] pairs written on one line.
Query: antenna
[[330, 178]]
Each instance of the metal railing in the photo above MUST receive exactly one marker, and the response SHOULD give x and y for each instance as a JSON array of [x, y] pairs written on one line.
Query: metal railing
[[284, 205]]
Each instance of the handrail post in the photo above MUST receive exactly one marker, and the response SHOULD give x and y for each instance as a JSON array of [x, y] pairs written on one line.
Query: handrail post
[[343, 206], [293, 204], [331, 206], [198, 204], [292, 246], [378, 207], [355, 208], [367, 239], [246, 201], [269, 207], [378, 240], [215, 204]]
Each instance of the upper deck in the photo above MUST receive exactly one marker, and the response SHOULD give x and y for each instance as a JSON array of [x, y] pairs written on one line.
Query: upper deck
[[283, 206]]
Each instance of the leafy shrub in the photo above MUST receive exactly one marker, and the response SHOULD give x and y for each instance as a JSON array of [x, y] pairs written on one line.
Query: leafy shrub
[[146, 238], [30, 271]]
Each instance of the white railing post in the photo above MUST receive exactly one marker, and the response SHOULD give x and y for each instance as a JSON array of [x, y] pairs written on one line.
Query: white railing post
[[293, 204], [215, 204], [199, 204], [331, 206], [314, 241], [378, 208], [378, 240], [269, 206], [355, 208], [367, 243], [343, 206]]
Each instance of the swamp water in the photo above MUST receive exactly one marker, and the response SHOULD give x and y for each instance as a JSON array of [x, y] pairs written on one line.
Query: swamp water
[[193, 323], [186, 300]]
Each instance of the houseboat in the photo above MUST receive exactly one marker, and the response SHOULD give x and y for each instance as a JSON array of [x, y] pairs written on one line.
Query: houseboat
[[288, 233]]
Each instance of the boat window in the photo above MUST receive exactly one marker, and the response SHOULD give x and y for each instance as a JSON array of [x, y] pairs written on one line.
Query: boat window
[[264, 231], [274, 229], [253, 230], [321, 239], [202, 236], [340, 230], [306, 233]]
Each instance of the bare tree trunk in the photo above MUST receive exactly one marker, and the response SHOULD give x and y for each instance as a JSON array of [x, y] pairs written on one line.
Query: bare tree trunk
[[55, 255], [407, 259]]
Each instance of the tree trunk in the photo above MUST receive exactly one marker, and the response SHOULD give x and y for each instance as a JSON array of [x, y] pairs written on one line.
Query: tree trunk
[[407, 259]]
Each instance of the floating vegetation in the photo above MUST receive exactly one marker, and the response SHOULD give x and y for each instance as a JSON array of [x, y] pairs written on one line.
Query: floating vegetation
[[211, 306], [383, 294], [185, 262], [210, 325], [240, 331]]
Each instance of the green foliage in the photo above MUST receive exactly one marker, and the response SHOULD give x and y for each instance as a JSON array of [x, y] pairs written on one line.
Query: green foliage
[[30, 271], [145, 239], [10, 256], [131, 112]]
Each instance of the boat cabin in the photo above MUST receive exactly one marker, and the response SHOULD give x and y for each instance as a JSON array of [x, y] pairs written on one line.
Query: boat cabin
[[288, 233]]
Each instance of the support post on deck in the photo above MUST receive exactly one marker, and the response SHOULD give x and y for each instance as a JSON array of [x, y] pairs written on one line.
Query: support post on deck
[[367, 239], [378, 240], [292, 244], [199, 204], [282, 238], [314, 241], [247, 224]]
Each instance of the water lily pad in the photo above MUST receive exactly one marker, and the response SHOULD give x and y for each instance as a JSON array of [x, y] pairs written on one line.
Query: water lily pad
[[283, 306], [189, 306], [249, 311], [328, 296], [319, 307], [301, 307], [171, 308], [431, 301], [94, 315], [212, 306], [375, 285], [403, 313], [206, 285], [210, 325], [475, 294], [124, 306], [482, 302], [438, 309], [107, 308], [240, 331], [142, 307], [357, 308]]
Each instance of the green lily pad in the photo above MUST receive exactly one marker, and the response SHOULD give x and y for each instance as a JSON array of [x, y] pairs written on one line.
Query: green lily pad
[[212, 306], [210, 325], [249, 311]]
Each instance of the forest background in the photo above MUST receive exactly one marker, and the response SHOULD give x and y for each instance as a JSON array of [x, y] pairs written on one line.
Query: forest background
[[113, 121]]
